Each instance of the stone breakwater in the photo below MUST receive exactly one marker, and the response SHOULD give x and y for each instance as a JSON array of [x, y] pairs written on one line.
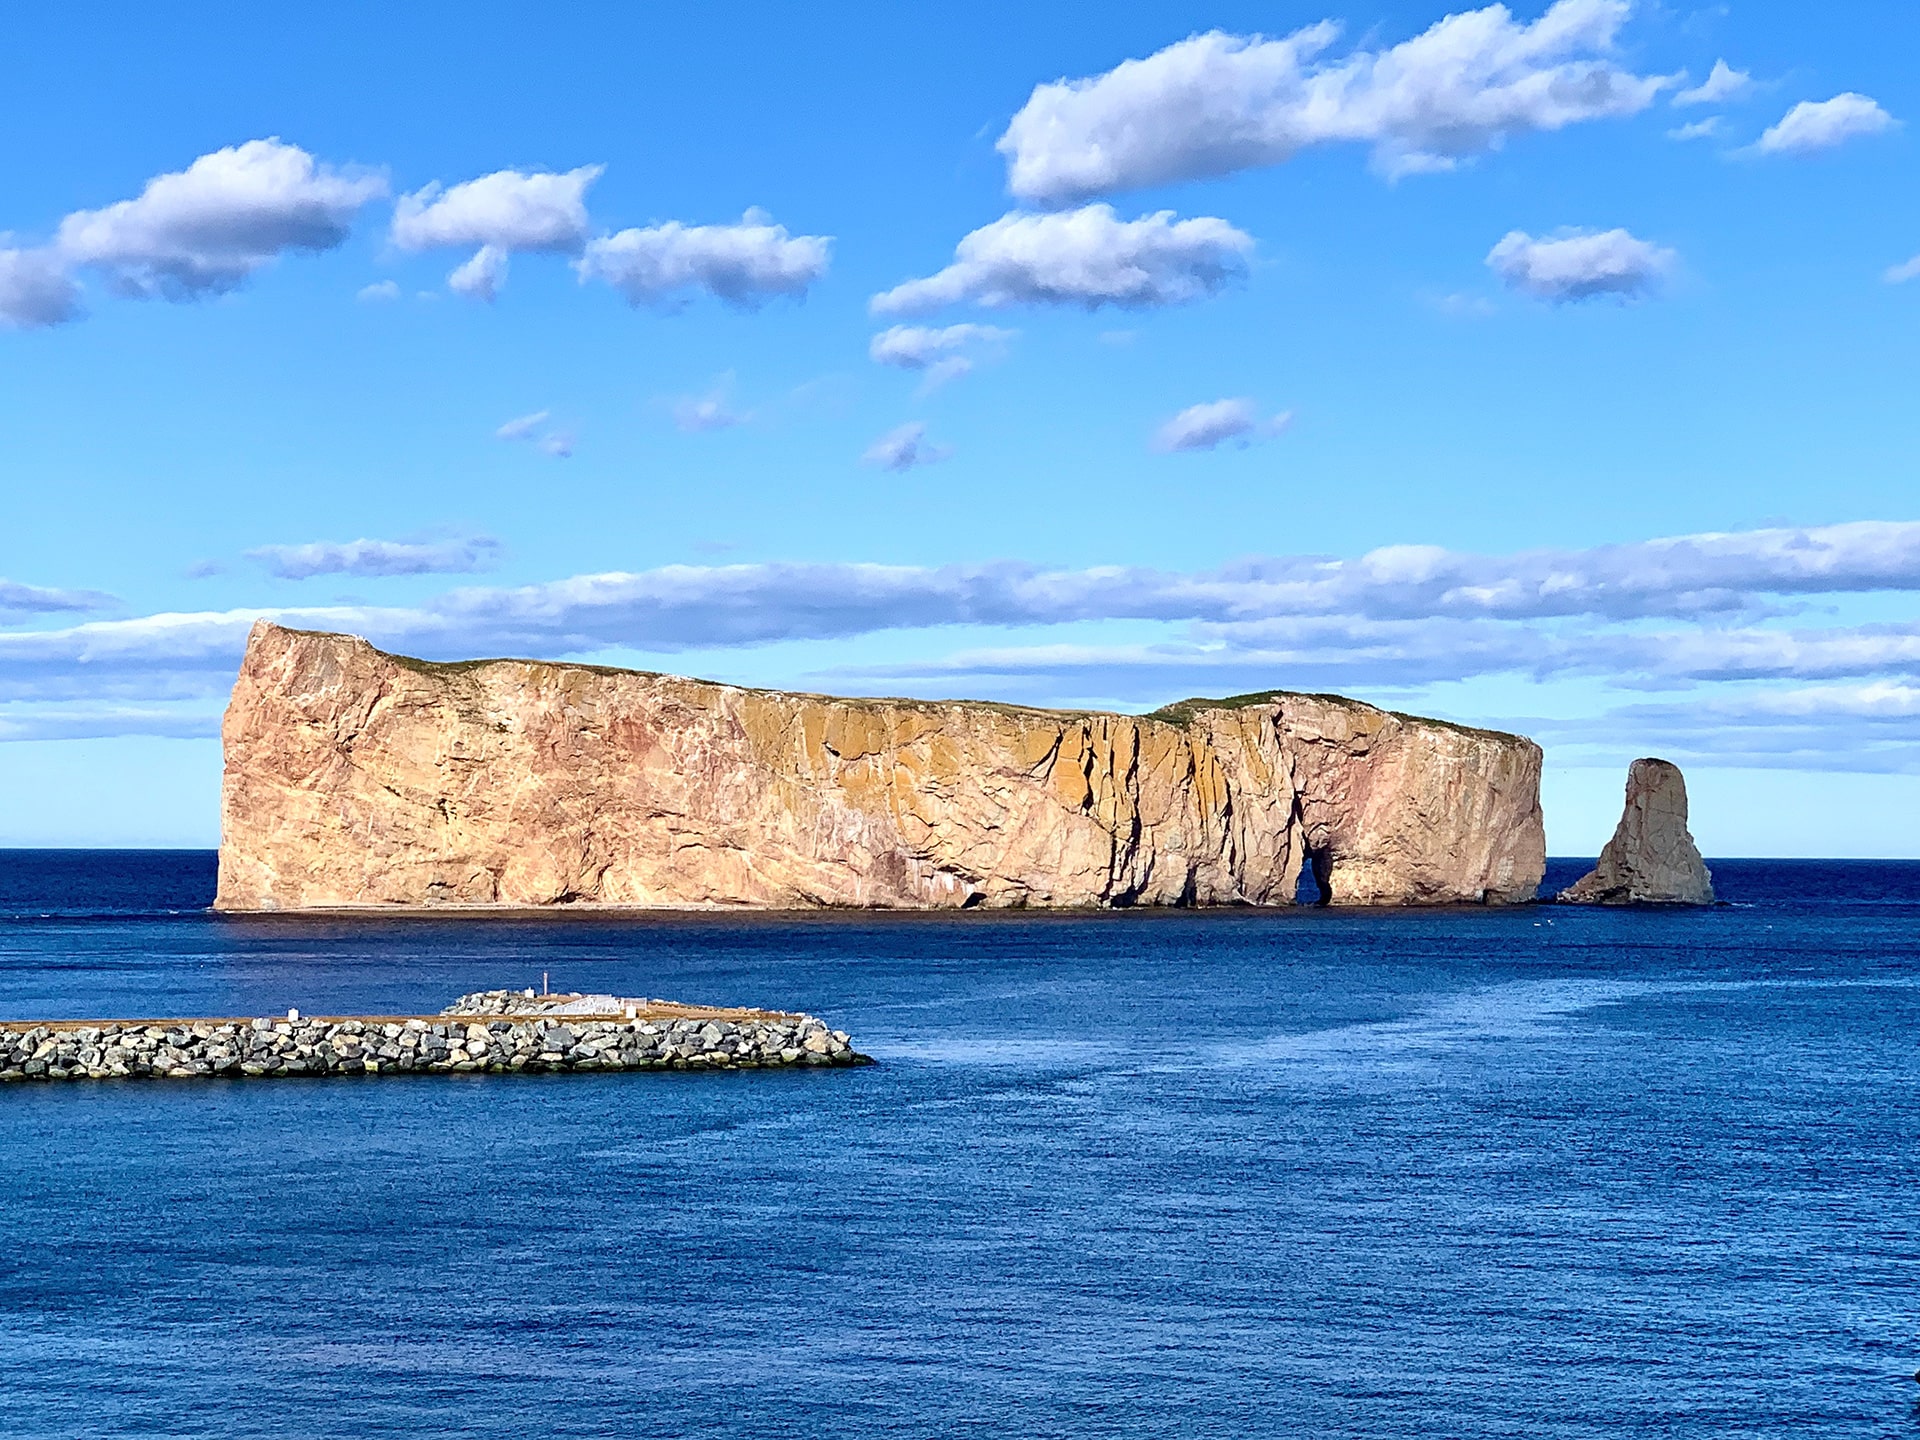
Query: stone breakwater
[[655, 1036]]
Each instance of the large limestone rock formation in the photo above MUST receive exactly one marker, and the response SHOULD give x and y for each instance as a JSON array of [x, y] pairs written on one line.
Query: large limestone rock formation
[[357, 778], [1651, 859]]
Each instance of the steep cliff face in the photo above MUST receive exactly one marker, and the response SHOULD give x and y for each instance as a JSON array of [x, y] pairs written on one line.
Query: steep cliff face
[[357, 778]]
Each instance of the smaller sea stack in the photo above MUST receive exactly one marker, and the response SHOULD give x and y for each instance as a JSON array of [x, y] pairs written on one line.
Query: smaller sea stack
[[1651, 859]]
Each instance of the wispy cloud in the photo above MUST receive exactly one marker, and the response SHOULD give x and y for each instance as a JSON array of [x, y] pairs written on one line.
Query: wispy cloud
[[523, 426], [904, 447], [1712, 614], [1698, 129], [1724, 84], [534, 429], [17, 599], [697, 414], [1206, 426], [378, 557], [939, 354]]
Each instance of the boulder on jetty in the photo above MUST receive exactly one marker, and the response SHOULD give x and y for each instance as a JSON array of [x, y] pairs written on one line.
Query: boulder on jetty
[[1651, 859], [358, 779], [488, 1032]]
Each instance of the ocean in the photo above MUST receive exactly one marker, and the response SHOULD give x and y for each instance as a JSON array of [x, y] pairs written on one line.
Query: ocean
[[1529, 1172]]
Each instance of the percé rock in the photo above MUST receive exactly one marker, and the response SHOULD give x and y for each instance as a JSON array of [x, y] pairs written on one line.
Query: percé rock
[[1651, 859], [356, 778]]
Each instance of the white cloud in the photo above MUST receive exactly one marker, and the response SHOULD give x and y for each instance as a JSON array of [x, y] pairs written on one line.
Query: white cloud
[[1903, 272], [557, 443], [522, 427], [940, 354], [744, 264], [1217, 103], [1724, 84], [379, 292], [207, 228], [1396, 618], [1202, 427], [1580, 264], [904, 447], [508, 210], [1815, 125], [695, 414], [18, 599], [98, 721], [481, 277], [1088, 257], [1697, 129], [378, 557], [35, 290], [1461, 306]]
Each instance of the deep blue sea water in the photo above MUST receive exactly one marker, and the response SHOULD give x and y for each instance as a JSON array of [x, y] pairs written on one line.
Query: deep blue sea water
[[1532, 1173]]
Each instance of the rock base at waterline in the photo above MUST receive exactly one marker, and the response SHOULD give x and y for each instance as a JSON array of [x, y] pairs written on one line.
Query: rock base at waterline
[[1651, 859], [491, 1037]]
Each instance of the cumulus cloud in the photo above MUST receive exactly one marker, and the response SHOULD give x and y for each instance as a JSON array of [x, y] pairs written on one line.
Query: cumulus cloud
[[1087, 257], [939, 353], [1217, 103], [1903, 272], [481, 277], [378, 557], [35, 290], [508, 210], [1815, 125], [380, 292], [1203, 427], [1724, 84], [744, 264], [1580, 264], [904, 447], [205, 229]]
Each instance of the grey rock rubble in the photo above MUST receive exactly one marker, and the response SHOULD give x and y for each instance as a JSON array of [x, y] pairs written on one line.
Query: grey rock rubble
[[473, 1040], [1651, 859]]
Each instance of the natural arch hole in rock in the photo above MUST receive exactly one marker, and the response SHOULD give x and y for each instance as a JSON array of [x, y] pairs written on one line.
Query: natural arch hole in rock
[[1315, 886]]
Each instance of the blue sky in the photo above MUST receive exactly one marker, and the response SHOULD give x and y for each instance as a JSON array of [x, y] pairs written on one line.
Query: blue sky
[[1403, 360]]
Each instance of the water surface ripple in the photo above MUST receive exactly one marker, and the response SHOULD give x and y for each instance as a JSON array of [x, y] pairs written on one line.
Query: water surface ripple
[[1535, 1173]]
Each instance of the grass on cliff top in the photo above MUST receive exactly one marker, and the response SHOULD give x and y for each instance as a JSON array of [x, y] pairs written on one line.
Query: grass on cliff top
[[1181, 713]]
